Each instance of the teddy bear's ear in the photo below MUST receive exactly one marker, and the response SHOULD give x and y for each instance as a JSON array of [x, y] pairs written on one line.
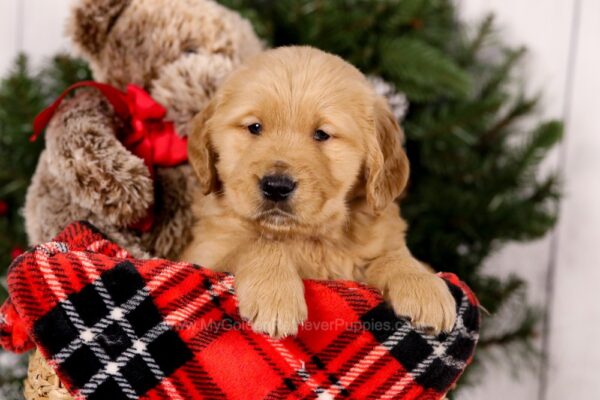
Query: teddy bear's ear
[[91, 21]]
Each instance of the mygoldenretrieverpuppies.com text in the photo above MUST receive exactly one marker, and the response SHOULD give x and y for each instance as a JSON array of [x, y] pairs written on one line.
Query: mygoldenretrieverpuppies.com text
[[338, 324]]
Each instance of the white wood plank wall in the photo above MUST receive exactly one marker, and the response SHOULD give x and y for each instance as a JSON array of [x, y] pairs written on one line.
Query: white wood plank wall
[[563, 37]]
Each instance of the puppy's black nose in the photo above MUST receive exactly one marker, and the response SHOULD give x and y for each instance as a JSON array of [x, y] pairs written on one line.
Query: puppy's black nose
[[277, 187]]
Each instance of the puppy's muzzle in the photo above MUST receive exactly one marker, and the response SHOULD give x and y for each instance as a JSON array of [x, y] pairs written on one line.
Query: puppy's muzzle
[[277, 188]]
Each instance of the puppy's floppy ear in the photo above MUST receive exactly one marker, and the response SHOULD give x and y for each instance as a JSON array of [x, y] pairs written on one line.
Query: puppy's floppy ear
[[387, 166], [91, 21], [200, 151]]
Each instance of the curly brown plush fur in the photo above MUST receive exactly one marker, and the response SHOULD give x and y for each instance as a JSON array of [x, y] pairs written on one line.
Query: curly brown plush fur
[[179, 51]]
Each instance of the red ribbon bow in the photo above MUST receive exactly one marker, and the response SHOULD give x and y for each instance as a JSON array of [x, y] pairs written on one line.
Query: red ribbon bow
[[148, 136]]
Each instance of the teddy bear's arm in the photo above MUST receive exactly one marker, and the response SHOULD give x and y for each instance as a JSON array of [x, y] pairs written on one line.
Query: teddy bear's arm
[[93, 166]]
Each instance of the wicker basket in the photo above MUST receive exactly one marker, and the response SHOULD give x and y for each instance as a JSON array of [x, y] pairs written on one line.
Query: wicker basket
[[41, 382]]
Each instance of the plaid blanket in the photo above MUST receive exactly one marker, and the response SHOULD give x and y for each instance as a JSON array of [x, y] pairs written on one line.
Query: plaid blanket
[[114, 327]]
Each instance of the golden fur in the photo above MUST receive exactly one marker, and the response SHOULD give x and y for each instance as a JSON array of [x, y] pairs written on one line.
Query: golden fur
[[341, 222]]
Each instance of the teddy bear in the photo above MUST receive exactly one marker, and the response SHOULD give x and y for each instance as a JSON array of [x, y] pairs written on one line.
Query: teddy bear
[[174, 51]]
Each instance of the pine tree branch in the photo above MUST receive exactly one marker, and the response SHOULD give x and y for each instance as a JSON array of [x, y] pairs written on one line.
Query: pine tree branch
[[521, 108]]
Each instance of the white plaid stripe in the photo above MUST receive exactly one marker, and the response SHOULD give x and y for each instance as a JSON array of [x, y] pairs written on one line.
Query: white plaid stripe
[[98, 351], [124, 324], [132, 303], [99, 326], [299, 367], [226, 285], [58, 290], [95, 381], [182, 314], [41, 258], [164, 275], [440, 348], [363, 365], [370, 358], [459, 330], [125, 357], [97, 245]]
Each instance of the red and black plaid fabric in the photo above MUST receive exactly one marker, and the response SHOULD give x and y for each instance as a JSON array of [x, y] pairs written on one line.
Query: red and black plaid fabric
[[114, 327]]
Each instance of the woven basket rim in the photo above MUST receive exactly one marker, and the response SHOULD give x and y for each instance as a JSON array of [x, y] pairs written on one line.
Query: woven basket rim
[[41, 382]]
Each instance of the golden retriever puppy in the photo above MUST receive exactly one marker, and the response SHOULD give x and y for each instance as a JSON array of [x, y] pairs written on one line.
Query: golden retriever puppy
[[299, 163]]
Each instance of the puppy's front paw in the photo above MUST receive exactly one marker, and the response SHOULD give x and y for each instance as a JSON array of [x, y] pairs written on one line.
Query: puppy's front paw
[[425, 299], [274, 308]]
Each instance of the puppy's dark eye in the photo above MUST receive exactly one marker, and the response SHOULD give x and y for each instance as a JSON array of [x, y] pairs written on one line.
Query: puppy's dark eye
[[320, 135], [255, 129], [190, 50]]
